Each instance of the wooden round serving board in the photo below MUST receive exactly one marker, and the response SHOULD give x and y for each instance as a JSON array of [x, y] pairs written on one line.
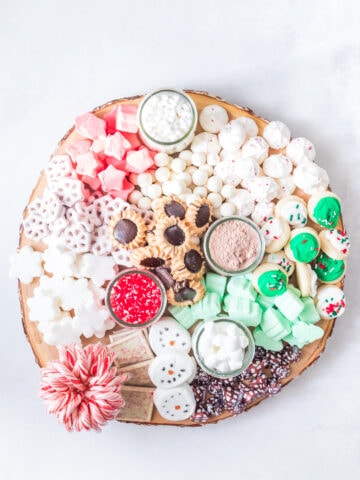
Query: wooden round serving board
[[43, 352]]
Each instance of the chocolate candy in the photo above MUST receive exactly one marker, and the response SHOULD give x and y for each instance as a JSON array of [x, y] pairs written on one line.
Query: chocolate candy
[[174, 235], [174, 209], [193, 260]]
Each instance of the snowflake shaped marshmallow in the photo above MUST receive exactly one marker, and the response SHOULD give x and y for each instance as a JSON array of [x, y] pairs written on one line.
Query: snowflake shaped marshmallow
[[26, 265]]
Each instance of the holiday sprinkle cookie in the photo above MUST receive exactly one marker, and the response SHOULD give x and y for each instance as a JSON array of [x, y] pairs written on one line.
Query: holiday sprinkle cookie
[[293, 210], [304, 245], [325, 209], [270, 279]]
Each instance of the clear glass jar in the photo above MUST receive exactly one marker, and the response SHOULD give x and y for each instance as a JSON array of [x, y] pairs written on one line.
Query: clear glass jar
[[167, 120], [142, 311], [210, 253], [196, 346]]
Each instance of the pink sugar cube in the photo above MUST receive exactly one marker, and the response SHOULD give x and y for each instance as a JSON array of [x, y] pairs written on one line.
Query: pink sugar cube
[[78, 147], [90, 126], [126, 118], [116, 146], [88, 164], [138, 161], [111, 178]]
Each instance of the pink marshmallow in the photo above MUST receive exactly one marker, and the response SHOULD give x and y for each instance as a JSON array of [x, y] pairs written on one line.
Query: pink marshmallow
[[93, 182], [88, 164], [110, 119], [138, 161], [78, 147], [112, 179], [90, 126], [116, 146], [133, 139], [126, 118], [119, 164], [127, 188]]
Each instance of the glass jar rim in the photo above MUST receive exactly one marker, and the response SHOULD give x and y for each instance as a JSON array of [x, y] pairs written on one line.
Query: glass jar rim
[[156, 280], [250, 349], [189, 131], [215, 266]]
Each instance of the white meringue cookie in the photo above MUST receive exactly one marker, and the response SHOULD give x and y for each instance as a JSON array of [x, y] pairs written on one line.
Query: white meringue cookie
[[262, 212], [228, 172], [232, 135], [212, 118], [263, 189], [300, 149], [249, 124], [310, 177], [287, 186], [277, 166], [243, 201], [277, 134], [248, 168], [256, 148], [205, 143], [230, 155]]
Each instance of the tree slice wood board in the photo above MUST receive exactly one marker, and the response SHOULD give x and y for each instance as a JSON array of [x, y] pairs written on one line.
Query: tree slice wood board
[[44, 353]]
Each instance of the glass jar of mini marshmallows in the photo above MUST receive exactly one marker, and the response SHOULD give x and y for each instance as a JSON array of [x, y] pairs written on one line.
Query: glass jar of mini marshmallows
[[167, 120]]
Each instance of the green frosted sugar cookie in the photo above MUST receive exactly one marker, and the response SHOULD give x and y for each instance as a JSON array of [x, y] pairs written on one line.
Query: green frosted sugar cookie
[[209, 306], [242, 287], [215, 283], [304, 332], [264, 301], [244, 310], [274, 324], [309, 313], [262, 340], [289, 305], [182, 315], [327, 211]]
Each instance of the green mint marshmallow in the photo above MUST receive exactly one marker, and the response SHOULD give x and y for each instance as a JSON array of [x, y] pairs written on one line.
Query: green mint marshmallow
[[262, 340], [289, 305], [274, 324]]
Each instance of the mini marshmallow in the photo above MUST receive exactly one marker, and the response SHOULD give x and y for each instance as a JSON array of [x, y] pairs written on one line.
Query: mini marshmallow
[[310, 177], [277, 134], [232, 136], [277, 166], [26, 265], [263, 189], [161, 159], [205, 142], [212, 118], [300, 149], [255, 148]]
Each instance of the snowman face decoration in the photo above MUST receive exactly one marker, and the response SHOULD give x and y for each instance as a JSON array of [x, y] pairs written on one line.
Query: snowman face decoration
[[168, 334], [176, 403], [171, 369]]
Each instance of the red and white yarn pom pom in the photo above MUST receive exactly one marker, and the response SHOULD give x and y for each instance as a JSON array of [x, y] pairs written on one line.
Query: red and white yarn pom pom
[[82, 388]]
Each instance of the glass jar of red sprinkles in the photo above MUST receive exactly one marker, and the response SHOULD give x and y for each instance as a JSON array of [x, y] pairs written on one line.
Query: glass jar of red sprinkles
[[136, 298]]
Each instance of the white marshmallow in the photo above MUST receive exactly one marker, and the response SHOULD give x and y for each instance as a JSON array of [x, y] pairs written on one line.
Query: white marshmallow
[[300, 149], [231, 155], [277, 166], [212, 118], [277, 134]]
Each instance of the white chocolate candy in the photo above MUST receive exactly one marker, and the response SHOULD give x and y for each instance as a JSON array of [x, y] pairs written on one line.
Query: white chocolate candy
[[277, 134], [255, 148], [175, 404], [170, 369], [168, 334], [300, 149], [263, 189], [212, 118], [277, 166], [232, 136], [262, 212], [310, 178], [330, 301]]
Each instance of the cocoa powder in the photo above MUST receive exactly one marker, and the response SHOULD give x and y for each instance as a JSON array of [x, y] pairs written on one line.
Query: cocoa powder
[[234, 245]]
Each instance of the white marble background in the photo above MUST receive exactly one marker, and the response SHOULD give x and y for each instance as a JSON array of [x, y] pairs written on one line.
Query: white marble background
[[295, 61]]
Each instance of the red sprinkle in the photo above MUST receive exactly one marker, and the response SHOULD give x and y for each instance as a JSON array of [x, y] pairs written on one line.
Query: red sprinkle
[[135, 298]]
